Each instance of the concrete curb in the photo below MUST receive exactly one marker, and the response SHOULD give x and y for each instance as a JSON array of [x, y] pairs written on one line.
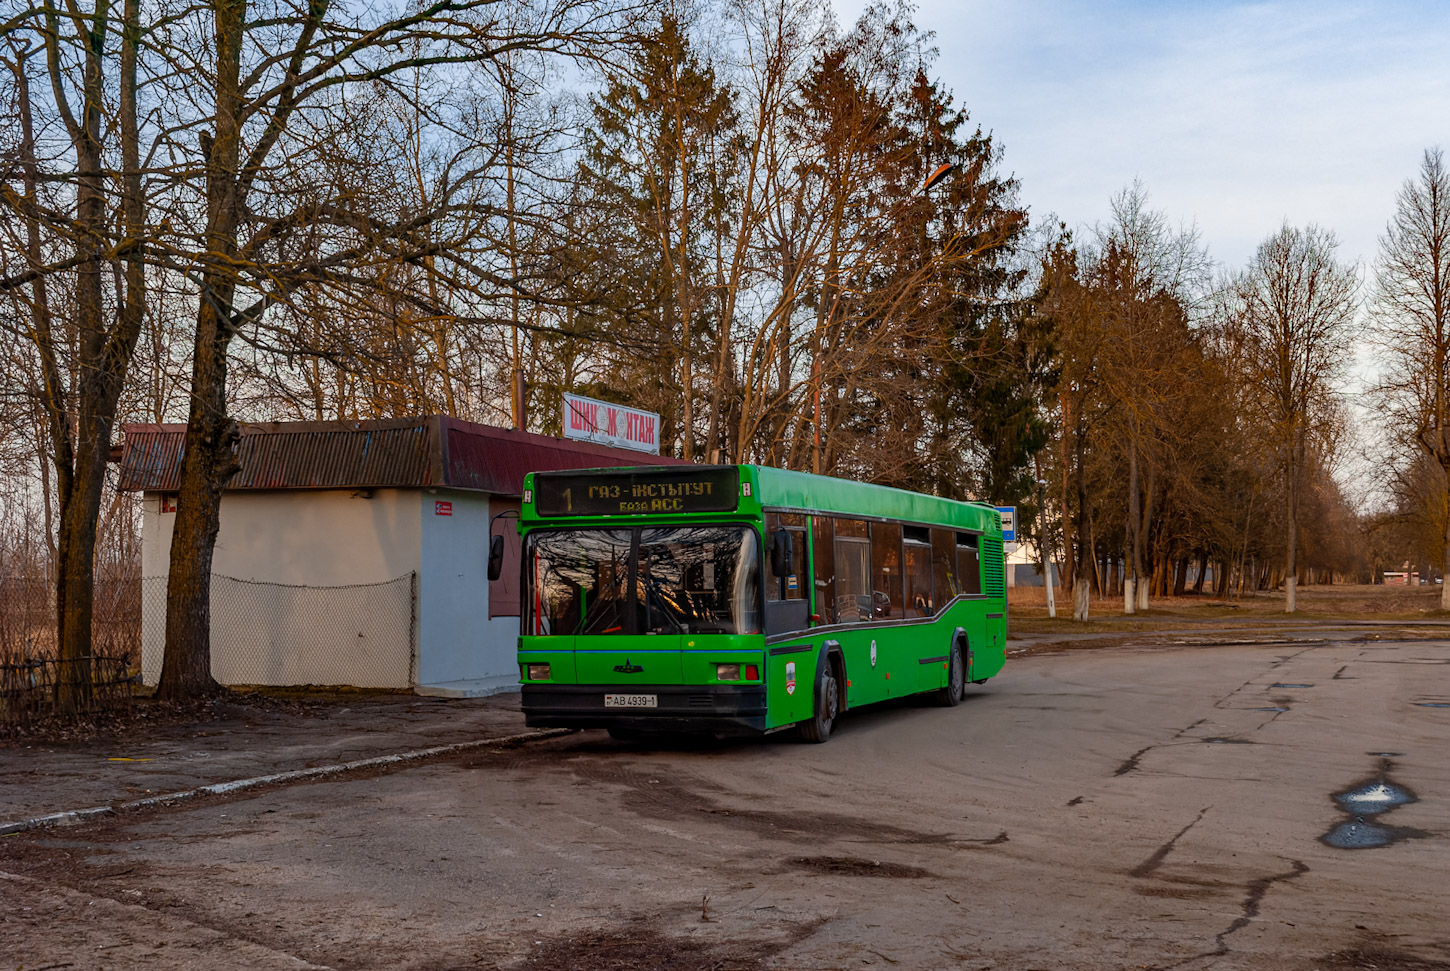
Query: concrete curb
[[75, 816]]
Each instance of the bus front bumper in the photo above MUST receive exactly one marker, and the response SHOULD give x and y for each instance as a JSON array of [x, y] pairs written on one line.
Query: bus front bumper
[[722, 709]]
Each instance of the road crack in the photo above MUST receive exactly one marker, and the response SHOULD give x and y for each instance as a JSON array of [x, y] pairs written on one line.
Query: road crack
[[1257, 889], [1150, 865], [1130, 764]]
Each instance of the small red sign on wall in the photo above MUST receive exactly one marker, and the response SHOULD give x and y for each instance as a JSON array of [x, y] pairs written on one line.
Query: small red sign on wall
[[441, 508]]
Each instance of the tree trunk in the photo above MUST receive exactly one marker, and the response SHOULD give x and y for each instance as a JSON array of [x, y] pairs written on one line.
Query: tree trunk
[[1069, 552], [81, 427], [1202, 571], [1291, 571], [1140, 549], [1087, 559], [1082, 592], [208, 460], [1135, 539], [186, 665], [75, 577], [1445, 555]]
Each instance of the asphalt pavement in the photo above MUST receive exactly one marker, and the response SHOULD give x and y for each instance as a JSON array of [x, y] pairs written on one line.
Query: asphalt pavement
[[1229, 801]]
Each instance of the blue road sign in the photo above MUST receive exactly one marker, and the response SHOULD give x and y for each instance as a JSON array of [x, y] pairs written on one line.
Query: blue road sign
[[1009, 523]]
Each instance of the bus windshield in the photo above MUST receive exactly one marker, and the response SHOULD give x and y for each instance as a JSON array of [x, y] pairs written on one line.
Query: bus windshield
[[686, 580]]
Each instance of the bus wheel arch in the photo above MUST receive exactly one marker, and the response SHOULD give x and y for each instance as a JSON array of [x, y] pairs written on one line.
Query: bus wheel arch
[[833, 659], [828, 694], [959, 671]]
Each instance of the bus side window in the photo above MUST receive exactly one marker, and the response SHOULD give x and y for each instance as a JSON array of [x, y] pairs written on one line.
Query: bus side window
[[792, 586], [944, 565], [886, 570], [852, 604], [917, 569], [969, 566], [823, 573], [772, 581]]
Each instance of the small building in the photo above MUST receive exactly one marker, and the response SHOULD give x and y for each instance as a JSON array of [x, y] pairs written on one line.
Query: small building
[[1024, 565], [356, 553]]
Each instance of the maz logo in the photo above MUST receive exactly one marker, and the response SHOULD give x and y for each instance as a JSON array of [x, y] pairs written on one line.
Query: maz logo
[[627, 668]]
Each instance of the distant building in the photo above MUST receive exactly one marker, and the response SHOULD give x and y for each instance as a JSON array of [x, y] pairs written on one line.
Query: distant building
[[355, 553], [1024, 566]]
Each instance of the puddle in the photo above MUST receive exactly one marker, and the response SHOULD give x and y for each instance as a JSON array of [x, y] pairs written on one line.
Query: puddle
[[1218, 740], [1363, 804], [1384, 755], [1359, 836], [1282, 685], [1432, 704], [1374, 798], [1269, 708]]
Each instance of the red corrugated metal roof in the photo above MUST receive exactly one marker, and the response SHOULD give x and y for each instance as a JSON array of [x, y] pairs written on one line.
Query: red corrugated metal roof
[[401, 452]]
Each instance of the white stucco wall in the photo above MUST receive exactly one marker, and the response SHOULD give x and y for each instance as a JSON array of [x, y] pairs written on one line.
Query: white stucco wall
[[302, 538], [328, 539], [318, 536], [457, 640]]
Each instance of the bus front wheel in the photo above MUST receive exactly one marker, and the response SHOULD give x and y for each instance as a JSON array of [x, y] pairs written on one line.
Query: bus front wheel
[[818, 727]]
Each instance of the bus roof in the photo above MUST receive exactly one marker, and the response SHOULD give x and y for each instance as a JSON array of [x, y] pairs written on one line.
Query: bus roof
[[773, 488], [804, 491]]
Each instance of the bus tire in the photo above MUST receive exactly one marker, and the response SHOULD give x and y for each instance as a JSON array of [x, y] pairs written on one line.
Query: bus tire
[[951, 695], [817, 728]]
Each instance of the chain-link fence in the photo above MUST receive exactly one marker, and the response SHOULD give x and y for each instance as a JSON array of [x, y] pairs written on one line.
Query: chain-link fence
[[360, 635]]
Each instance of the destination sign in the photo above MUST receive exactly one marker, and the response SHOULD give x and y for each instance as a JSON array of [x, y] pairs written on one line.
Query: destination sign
[[662, 491]]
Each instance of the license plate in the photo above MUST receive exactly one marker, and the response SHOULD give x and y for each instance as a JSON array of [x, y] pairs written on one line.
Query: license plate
[[631, 701]]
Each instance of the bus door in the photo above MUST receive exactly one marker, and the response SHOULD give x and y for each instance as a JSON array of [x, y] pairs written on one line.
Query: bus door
[[787, 589]]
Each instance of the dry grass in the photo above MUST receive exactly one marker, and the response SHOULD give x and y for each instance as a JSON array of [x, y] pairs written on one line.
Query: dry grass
[[1347, 602]]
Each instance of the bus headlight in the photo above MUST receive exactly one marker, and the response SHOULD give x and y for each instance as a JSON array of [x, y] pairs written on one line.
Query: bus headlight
[[538, 672], [727, 672]]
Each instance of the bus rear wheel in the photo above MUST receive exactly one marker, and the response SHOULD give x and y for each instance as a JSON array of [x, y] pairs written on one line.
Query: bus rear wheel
[[828, 705], [951, 695]]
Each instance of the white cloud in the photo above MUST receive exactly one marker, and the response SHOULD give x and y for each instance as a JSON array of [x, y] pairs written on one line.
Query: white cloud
[[1235, 115]]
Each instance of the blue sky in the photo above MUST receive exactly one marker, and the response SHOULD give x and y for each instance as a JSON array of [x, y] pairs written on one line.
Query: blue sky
[[1234, 115]]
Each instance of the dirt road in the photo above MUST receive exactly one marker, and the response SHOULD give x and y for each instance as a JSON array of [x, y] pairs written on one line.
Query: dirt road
[[1132, 807]]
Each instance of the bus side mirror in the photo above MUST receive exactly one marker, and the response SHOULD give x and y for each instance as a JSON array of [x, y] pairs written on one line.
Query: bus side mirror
[[781, 552], [495, 558]]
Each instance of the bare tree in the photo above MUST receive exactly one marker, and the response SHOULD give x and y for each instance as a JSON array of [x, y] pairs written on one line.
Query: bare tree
[[276, 102], [1411, 312], [1296, 308], [1149, 275], [85, 244]]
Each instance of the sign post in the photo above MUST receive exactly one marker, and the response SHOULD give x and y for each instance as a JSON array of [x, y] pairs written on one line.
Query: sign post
[[590, 420]]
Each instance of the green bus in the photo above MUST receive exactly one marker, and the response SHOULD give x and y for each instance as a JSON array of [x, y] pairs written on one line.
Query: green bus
[[742, 599]]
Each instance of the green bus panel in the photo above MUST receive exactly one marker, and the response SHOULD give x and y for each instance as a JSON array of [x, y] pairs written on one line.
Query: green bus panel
[[646, 660], [790, 683]]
